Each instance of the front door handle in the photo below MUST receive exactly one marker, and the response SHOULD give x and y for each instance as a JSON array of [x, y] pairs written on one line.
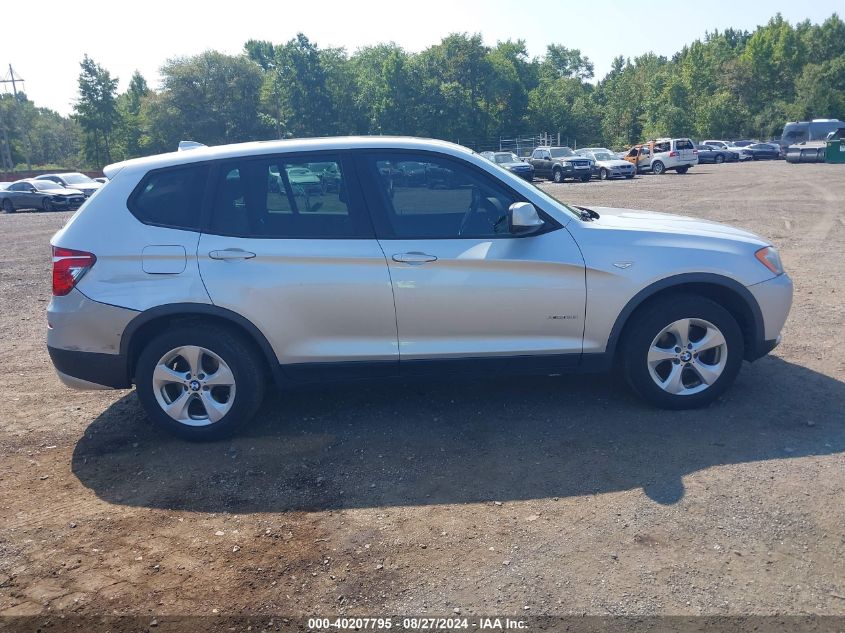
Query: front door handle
[[414, 258], [231, 253]]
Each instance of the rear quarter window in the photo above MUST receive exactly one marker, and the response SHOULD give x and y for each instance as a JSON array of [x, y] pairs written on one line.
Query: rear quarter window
[[171, 197]]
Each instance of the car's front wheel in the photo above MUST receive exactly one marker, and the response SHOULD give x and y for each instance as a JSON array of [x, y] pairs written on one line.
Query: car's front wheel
[[557, 175], [46, 204], [603, 174], [682, 352], [8, 207], [199, 382], [658, 167]]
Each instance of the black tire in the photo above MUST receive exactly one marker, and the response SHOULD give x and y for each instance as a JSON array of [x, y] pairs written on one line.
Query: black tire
[[629, 176], [603, 174], [649, 321], [657, 167], [720, 158], [557, 175], [585, 178], [46, 205], [238, 353], [682, 170], [8, 207]]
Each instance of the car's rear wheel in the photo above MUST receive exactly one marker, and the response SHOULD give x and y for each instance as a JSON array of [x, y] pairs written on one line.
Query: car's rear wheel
[[603, 174], [658, 167], [719, 159], [585, 178], [629, 176], [8, 207], [682, 170], [682, 352], [557, 174], [201, 382], [46, 204]]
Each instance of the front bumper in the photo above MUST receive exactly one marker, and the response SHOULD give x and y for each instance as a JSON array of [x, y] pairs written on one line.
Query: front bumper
[[525, 174], [774, 297]]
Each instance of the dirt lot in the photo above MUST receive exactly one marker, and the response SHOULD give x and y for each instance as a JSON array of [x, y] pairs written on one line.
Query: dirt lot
[[512, 495]]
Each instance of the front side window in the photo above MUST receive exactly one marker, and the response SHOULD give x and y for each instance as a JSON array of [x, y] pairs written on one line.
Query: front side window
[[284, 198], [171, 197], [449, 200]]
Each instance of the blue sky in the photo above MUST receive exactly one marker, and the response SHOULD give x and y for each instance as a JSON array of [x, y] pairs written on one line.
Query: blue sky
[[128, 36]]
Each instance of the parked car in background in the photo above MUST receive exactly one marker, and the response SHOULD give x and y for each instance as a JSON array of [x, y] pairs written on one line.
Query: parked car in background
[[491, 274], [560, 163], [305, 179], [606, 164], [764, 151], [717, 155], [662, 155], [742, 143], [73, 180], [44, 195], [328, 174], [511, 162]]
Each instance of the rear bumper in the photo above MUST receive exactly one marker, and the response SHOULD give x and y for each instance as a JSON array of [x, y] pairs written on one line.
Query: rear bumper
[[90, 370]]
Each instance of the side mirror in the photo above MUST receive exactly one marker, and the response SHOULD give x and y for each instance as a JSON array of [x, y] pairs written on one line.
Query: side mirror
[[523, 218]]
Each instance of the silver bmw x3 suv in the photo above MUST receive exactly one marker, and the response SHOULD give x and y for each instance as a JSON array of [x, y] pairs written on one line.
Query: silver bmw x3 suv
[[204, 276]]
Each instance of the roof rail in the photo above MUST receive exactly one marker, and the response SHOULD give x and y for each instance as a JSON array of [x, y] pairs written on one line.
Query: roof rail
[[186, 145]]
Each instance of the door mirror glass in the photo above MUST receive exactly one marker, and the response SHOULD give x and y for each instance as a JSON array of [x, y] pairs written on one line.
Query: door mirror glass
[[523, 218]]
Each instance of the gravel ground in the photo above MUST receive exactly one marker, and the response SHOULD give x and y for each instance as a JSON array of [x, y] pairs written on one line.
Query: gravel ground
[[506, 495]]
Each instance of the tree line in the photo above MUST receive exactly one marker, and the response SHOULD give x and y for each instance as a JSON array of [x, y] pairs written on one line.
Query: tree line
[[729, 84]]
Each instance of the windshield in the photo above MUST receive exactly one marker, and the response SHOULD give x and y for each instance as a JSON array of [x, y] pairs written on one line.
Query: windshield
[[562, 152], [77, 179], [603, 156], [46, 185], [505, 157]]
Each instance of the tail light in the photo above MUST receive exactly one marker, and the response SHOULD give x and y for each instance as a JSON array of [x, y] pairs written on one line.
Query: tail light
[[694, 152], [673, 154], [69, 266]]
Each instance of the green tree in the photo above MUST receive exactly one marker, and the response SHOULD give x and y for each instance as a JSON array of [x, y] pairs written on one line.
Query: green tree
[[96, 110], [212, 98], [129, 107]]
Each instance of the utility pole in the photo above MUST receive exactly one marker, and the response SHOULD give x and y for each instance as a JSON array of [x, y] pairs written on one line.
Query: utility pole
[[5, 151]]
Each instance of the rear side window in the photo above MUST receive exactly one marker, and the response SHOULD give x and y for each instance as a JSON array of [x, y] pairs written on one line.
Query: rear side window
[[286, 198], [171, 197], [683, 143]]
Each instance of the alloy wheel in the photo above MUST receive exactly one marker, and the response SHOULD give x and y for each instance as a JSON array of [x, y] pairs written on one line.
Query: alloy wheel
[[687, 356], [193, 385]]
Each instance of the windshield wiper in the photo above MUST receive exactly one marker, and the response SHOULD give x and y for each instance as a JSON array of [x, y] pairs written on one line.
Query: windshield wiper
[[587, 215]]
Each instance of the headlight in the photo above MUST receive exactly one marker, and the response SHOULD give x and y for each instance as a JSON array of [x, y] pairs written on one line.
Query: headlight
[[768, 256]]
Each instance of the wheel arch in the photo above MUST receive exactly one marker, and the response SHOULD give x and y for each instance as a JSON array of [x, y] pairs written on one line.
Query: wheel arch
[[727, 292], [155, 320]]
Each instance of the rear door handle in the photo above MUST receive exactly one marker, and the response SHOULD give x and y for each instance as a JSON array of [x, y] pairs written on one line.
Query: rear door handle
[[231, 253], [414, 257]]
